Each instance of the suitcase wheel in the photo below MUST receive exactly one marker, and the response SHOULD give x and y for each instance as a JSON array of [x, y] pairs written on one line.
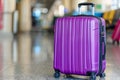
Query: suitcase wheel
[[102, 75], [57, 74], [93, 76], [113, 42], [118, 43]]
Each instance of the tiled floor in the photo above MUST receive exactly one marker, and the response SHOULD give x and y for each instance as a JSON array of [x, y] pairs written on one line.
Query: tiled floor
[[30, 57]]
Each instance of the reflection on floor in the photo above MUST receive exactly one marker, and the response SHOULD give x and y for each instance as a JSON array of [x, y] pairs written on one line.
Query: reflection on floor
[[30, 57]]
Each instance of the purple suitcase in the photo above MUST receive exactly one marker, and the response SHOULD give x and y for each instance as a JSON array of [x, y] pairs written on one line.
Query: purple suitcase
[[79, 45]]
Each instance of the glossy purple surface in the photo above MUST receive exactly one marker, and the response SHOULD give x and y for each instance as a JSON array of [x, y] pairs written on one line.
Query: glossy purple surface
[[77, 45]]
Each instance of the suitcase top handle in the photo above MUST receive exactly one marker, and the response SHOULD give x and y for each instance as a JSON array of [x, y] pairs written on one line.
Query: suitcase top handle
[[87, 4], [81, 4]]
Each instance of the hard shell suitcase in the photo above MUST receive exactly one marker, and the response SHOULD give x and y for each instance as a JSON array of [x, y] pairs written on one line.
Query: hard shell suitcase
[[116, 32], [79, 45]]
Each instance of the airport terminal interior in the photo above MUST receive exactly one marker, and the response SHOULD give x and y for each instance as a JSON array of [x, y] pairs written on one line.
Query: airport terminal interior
[[27, 29]]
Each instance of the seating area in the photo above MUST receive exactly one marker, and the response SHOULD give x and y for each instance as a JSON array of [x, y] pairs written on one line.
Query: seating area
[[111, 17]]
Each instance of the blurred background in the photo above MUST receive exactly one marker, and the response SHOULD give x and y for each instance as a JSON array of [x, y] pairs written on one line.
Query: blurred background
[[35, 15], [27, 32]]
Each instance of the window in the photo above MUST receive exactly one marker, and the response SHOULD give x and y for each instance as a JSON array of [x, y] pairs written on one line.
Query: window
[[115, 4]]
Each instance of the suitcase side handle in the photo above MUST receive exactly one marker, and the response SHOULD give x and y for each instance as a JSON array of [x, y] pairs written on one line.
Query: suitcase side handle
[[87, 4]]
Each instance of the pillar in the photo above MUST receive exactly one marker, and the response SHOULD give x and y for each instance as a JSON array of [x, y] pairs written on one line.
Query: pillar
[[7, 15], [72, 4], [67, 4], [24, 8], [76, 2]]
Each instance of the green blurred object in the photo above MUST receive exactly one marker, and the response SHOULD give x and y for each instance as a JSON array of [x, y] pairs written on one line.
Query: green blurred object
[[98, 6]]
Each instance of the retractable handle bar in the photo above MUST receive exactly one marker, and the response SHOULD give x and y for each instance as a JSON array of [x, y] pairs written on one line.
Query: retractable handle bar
[[87, 4]]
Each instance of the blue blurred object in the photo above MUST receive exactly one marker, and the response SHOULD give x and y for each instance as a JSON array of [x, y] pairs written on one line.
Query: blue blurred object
[[75, 13], [65, 10], [36, 13], [97, 14]]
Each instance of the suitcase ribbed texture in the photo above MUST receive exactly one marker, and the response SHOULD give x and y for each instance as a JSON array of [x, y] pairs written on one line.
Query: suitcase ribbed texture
[[77, 45]]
